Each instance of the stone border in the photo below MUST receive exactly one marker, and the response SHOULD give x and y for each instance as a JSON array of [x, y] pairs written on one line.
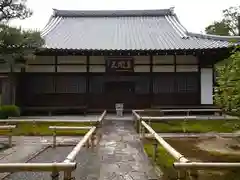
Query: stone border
[[156, 169]]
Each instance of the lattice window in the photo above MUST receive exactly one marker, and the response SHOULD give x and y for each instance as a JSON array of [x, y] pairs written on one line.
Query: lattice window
[[187, 83], [41, 84], [97, 85], [142, 85], [163, 84], [70, 84]]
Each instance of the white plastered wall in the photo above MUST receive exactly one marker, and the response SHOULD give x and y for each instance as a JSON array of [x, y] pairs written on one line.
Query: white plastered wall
[[206, 86], [141, 60]]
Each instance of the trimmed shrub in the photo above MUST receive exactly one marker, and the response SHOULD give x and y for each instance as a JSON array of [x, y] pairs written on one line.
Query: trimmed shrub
[[3, 115], [10, 111]]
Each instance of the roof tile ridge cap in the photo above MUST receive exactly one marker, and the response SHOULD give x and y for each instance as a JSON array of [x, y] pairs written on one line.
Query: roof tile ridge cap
[[214, 37], [150, 12], [55, 12]]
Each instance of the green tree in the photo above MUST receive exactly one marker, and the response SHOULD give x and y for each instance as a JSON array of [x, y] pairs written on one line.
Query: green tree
[[16, 45], [14, 42], [228, 25], [13, 9], [227, 91], [218, 28]]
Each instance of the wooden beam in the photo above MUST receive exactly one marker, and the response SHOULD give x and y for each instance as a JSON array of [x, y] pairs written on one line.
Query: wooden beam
[[55, 63]]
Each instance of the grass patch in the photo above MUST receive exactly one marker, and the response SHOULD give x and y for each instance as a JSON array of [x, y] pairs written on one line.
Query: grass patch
[[164, 161], [187, 147], [41, 129], [196, 126]]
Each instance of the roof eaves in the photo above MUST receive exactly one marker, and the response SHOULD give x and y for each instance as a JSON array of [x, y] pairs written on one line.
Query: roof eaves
[[134, 50], [230, 39]]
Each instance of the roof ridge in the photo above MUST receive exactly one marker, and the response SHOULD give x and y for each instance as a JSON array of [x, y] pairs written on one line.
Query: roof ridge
[[215, 37], [112, 13]]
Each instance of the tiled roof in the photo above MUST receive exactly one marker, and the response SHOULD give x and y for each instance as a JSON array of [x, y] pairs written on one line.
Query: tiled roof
[[125, 30]]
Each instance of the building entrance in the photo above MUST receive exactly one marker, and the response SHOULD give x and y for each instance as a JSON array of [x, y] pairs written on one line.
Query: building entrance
[[119, 92]]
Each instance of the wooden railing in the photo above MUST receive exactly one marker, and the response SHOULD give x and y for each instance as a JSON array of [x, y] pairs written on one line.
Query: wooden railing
[[9, 129], [100, 119], [207, 165], [14, 121], [187, 111], [182, 164], [56, 128], [68, 165], [72, 155], [55, 168], [136, 119], [177, 156]]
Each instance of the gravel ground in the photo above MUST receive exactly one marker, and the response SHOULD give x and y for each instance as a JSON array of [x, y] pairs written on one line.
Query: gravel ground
[[88, 166]]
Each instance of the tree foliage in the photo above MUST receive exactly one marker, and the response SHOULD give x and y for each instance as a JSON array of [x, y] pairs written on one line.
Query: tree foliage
[[13, 9], [227, 91], [228, 25], [17, 39], [16, 43], [218, 28]]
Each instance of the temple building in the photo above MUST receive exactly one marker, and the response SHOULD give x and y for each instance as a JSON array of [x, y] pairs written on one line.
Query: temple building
[[142, 58]]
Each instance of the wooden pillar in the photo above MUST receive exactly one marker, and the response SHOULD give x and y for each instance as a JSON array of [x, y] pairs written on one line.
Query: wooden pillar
[[199, 79], [87, 82], [151, 82], [55, 63], [7, 91], [175, 73], [55, 70]]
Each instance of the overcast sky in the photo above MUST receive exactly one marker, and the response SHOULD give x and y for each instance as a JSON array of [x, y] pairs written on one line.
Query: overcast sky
[[195, 15]]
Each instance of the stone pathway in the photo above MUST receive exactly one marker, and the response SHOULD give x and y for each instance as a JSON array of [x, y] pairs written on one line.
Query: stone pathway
[[112, 117], [121, 154]]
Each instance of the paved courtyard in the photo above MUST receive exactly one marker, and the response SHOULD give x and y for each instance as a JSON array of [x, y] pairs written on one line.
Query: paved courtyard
[[119, 156]]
